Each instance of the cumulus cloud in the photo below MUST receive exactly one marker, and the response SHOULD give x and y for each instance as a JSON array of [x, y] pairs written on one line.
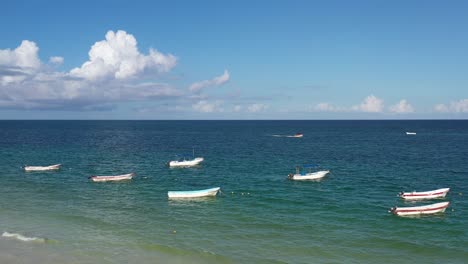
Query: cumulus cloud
[[371, 104], [402, 107], [460, 106], [56, 60], [16, 65], [24, 56], [216, 81], [118, 57], [254, 108], [26, 83]]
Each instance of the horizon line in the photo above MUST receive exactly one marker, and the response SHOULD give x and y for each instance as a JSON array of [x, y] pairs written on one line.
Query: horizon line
[[435, 119]]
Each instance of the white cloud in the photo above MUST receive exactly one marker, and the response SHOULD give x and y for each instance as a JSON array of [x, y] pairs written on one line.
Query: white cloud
[[460, 106], [24, 56], [371, 104], [56, 60], [441, 108], [26, 83], [207, 107], [18, 64], [402, 107], [117, 57], [216, 81], [254, 108], [238, 108], [327, 107]]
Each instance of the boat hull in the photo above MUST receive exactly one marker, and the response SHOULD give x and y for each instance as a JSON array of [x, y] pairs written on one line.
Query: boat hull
[[122, 177], [440, 193], [42, 168], [420, 210], [186, 163], [193, 194], [309, 176]]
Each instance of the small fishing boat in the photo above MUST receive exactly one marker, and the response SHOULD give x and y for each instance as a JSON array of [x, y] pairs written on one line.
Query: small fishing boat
[[439, 193], [42, 168], [410, 133], [419, 210], [185, 162], [193, 194], [112, 178], [309, 175]]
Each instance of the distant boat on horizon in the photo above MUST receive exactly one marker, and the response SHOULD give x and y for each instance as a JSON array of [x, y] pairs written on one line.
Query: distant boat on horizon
[[410, 133], [297, 135]]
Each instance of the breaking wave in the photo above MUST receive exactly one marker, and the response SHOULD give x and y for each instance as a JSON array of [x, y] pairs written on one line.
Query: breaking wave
[[23, 238]]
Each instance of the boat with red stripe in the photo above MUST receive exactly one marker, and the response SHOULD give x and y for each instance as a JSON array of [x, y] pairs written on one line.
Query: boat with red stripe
[[439, 193], [420, 210]]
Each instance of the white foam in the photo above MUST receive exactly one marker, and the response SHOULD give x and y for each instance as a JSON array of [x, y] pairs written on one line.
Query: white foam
[[23, 238]]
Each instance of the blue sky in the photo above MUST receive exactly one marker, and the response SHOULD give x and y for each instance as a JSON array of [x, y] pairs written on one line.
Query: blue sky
[[233, 60]]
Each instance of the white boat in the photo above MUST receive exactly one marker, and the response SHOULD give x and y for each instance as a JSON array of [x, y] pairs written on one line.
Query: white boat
[[112, 178], [310, 175], [419, 210], [439, 193], [42, 168], [297, 135], [193, 194], [410, 133], [185, 163]]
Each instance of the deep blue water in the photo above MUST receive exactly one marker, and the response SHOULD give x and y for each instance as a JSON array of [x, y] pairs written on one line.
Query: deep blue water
[[260, 216]]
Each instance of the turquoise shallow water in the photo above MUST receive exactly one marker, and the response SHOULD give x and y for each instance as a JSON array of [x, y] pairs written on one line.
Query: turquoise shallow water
[[260, 216]]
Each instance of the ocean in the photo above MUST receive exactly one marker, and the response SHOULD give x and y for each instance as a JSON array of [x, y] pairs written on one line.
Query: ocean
[[259, 217]]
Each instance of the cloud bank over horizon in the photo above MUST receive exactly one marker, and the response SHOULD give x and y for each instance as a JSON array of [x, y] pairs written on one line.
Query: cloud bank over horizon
[[117, 72], [108, 77]]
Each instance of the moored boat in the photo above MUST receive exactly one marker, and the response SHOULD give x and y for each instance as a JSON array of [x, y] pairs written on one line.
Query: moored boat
[[185, 163], [419, 210], [439, 193], [310, 175], [42, 168], [193, 194], [122, 177]]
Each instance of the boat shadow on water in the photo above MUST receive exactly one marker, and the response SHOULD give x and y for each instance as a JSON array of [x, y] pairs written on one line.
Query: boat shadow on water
[[425, 202], [193, 201], [436, 216]]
